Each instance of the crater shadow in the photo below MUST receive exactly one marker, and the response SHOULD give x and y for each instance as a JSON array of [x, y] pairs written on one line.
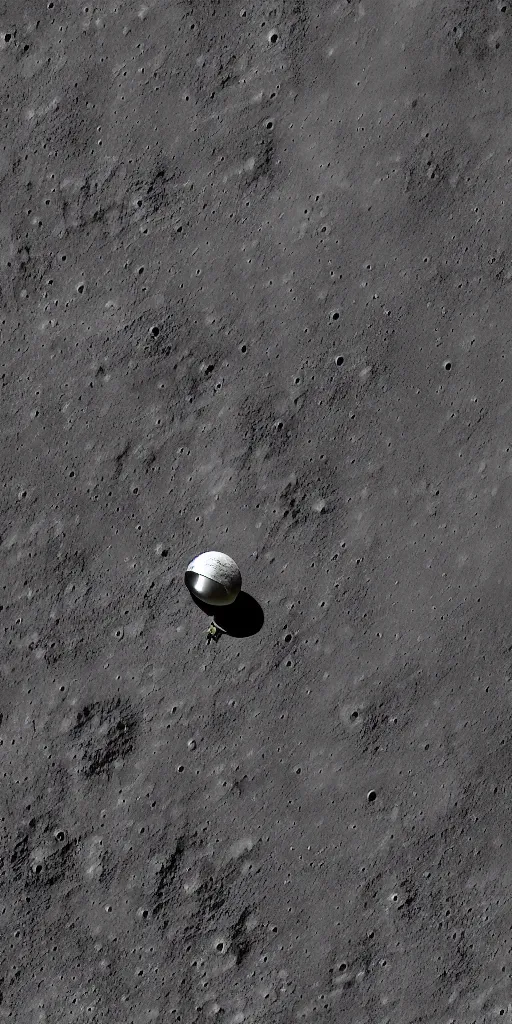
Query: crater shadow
[[242, 618]]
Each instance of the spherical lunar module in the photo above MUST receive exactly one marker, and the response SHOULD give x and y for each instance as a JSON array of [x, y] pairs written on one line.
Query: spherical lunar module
[[214, 578]]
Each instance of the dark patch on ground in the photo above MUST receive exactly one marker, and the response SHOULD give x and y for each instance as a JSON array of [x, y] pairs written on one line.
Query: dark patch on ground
[[105, 731], [165, 892]]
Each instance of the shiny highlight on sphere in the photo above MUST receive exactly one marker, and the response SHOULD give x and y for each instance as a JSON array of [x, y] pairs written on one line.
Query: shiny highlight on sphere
[[214, 578]]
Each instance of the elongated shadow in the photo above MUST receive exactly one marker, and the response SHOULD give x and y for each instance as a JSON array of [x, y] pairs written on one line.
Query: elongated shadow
[[242, 618]]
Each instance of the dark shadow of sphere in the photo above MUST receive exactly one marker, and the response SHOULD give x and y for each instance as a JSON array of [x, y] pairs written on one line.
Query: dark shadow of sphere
[[242, 618]]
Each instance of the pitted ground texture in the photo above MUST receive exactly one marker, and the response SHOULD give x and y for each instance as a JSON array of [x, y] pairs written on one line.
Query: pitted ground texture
[[255, 278]]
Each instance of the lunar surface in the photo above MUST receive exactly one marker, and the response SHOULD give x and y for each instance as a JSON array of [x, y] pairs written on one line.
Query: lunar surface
[[256, 296]]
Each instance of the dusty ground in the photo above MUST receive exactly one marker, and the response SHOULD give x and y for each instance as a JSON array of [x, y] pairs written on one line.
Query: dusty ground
[[256, 297]]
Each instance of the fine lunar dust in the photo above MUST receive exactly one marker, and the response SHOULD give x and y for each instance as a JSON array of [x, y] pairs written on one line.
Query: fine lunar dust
[[255, 271]]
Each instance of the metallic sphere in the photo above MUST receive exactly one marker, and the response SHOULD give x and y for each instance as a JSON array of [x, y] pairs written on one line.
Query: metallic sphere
[[214, 578]]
